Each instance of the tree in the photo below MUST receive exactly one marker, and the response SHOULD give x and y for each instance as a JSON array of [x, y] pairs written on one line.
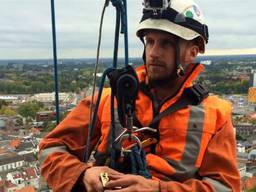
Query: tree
[[49, 125], [19, 122], [3, 103], [240, 137], [7, 111], [29, 109], [63, 115], [252, 190], [253, 121]]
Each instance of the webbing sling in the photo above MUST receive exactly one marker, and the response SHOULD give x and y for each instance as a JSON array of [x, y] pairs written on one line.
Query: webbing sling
[[134, 162]]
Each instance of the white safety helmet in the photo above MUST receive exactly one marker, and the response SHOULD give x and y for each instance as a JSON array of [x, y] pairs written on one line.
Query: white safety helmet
[[182, 18]]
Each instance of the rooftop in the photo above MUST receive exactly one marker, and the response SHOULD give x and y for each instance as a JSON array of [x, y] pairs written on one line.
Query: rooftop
[[29, 157], [10, 158], [24, 145]]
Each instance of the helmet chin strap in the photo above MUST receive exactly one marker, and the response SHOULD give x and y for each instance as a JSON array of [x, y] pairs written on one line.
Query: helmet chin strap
[[144, 51], [179, 69]]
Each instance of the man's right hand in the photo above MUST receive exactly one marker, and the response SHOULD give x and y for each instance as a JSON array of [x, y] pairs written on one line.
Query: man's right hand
[[92, 180]]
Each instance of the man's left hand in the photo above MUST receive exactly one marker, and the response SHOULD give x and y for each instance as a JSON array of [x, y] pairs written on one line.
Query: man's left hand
[[127, 183]]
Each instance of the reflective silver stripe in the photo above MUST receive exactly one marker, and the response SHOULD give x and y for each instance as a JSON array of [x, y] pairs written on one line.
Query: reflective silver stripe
[[183, 171], [45, 152], [218, 186], [194, 135], [186, 169]]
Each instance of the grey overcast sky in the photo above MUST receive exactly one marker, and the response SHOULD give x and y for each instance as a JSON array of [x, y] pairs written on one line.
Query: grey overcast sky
[[25, 28]]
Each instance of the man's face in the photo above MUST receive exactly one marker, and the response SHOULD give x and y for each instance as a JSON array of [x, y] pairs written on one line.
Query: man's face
[[160, 56]]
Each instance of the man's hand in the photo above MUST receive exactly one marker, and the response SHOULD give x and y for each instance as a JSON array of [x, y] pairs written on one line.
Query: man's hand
[[128, 183], [92, 180]]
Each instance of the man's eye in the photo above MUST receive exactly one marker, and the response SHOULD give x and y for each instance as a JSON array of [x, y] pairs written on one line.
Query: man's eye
[[149, 42], [168, 43]]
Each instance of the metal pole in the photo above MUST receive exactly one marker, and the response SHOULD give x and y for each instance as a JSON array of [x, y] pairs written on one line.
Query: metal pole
[[55, 63]]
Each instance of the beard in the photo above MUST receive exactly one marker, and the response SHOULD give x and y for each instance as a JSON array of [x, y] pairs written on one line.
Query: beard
[[164, 79]]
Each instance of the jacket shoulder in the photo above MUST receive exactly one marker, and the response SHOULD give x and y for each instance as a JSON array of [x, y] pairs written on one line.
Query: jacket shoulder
[[218, 109], [222, 105]]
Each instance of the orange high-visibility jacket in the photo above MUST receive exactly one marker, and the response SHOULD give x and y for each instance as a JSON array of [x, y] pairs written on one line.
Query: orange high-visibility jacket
[[196, 149]]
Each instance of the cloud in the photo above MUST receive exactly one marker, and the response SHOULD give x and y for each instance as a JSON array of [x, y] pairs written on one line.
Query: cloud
[[231, 23], [25, 27]]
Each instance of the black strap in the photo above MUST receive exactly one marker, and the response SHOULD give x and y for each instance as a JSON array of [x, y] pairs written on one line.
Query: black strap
[[191, 96]]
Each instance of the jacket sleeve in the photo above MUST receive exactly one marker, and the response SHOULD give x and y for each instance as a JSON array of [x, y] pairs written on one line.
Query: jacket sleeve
[[218, 171], [61, 151]]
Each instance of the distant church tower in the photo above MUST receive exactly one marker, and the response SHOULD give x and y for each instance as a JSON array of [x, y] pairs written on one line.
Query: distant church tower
[[252, 82], [252, 87]]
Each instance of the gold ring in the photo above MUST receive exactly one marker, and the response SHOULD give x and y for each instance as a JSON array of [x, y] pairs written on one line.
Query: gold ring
[[104, 178]]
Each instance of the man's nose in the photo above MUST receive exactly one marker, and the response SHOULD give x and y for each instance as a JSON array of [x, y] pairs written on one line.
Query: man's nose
[[155, 51]]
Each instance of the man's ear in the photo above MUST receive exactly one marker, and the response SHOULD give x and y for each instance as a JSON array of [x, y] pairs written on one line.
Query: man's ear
[[191, 52]]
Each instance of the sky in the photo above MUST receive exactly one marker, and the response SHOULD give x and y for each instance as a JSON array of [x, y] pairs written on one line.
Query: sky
[[25, 28]]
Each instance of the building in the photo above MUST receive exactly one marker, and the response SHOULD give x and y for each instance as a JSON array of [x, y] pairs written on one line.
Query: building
[[21, 180], [7, 123], [10, 123], [242, 169], [26, 147], [252, 155], [14, 99], [252, 87], [50, 97], [24, 156], [240, 148], [16, 178], [31, 177], [11, 162], [30, 160], [2, 124], [245, 129], [9, 186], [252, 82], [252, 95], [42, 116]]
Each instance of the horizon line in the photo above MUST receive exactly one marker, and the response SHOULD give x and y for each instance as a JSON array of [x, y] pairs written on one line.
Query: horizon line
[[199, 55]]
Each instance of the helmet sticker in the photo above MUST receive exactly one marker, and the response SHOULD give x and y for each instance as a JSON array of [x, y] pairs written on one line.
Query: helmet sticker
[[197, 10], [193, 12], [189, 14]]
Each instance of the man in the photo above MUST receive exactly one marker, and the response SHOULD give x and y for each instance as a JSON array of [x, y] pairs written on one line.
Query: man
[[196, 148]]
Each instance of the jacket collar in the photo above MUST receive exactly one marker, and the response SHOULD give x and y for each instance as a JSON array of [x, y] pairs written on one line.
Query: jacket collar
[[195, 70]]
